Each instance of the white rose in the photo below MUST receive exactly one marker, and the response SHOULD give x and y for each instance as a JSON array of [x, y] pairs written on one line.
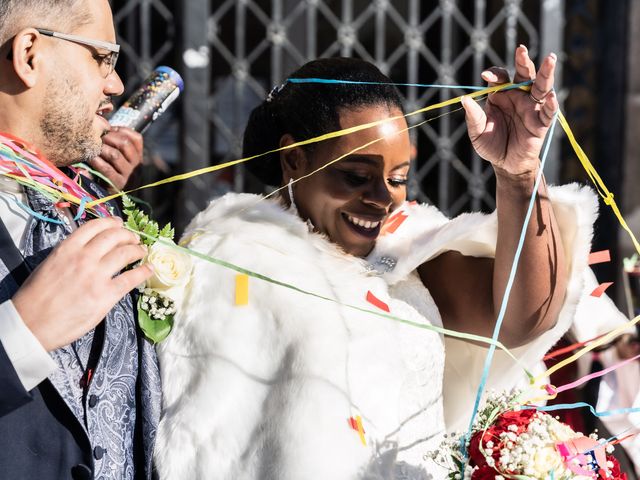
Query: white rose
[[171, 270], [548, 459]]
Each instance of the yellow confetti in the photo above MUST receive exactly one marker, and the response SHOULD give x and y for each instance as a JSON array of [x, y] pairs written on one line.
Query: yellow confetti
[[242, 289]]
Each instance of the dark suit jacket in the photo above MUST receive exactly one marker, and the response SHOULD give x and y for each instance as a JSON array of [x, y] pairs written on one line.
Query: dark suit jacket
[[40, 437]]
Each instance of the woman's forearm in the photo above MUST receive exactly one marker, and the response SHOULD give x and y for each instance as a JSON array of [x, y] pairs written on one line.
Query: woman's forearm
[[540, 282]]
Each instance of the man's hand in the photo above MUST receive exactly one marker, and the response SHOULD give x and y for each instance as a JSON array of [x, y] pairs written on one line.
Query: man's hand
[[122, 153], [75, 287]]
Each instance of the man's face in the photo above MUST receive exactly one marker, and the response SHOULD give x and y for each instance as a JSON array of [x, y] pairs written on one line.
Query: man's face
[[78, 94]]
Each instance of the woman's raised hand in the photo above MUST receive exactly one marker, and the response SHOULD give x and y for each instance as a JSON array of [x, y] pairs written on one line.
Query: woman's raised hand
[[510, 131]]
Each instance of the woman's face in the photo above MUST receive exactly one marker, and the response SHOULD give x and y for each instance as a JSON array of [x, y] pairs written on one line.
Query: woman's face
[[350, 200]]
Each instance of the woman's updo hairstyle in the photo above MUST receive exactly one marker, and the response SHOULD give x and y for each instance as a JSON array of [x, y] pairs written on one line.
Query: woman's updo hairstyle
[[307, 110]]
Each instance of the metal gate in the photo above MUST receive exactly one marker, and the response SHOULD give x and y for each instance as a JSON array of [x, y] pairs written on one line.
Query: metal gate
[[231, 52]]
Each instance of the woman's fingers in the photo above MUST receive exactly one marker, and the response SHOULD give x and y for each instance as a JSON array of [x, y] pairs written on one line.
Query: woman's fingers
[[544, 79], [475, 117], [525, 69], [496, 76], [549, 109]]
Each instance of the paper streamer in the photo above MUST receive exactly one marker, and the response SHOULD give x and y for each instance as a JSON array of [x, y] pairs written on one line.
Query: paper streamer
[[606, 338], [355, 82], [590, 376], [570, 348], [568, 406], [434, 328], [606, 195], [320, 138], [509, 286]]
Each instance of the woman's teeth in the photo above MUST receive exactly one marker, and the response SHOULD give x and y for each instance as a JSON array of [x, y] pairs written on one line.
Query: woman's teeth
[[363, 223]]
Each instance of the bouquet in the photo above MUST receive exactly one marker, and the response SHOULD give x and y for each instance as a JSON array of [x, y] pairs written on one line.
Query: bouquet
[[516, 442]]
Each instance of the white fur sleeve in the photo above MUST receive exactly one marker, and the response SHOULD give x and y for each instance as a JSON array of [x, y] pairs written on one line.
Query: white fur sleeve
[[475, 234]]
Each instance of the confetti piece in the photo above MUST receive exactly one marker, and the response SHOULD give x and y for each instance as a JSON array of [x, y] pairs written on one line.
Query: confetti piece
[[356, 424], [373, 300], [242, 289], [602, 256], [600, 289], [393, 223]]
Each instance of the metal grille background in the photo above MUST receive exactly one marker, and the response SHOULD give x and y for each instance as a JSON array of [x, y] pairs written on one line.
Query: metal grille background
[[232, 52]]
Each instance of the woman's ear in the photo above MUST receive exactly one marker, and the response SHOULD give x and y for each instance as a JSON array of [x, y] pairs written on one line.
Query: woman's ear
[[293, 161]]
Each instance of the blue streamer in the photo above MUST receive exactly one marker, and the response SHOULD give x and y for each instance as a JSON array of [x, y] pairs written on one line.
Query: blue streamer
[[421, 85], [507, 292], [567, 406], [37, 215], [83, 203], [354, 82]]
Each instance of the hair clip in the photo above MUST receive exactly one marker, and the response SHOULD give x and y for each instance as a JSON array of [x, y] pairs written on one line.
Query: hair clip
[[275, 91]]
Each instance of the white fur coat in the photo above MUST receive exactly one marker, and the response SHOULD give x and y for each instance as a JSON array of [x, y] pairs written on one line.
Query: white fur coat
[[265, 391]]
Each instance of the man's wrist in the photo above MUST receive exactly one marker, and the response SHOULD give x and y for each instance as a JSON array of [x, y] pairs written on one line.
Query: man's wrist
[[29, 358]]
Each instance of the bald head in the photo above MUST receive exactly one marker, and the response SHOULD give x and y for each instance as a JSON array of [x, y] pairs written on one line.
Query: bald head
[[61, 15]]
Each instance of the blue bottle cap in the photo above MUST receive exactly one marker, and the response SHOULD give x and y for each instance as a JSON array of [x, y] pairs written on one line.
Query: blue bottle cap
[[173, 75]]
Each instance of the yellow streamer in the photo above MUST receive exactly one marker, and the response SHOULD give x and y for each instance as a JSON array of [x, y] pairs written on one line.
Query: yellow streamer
[[601, 341], [321, 138], [263, 198], [39, 186], [606, 195]]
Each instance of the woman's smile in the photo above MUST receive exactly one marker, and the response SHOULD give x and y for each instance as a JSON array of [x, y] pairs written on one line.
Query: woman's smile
[[362, 226], [349, 200]]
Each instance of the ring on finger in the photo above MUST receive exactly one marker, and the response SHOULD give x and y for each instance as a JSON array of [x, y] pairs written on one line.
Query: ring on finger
[[537, 100]]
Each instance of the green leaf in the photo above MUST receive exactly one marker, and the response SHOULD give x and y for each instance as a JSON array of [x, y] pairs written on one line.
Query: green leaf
[[155, 330], [167, 232], [128, 203], [151, 229], [131, 223], [140, 218]]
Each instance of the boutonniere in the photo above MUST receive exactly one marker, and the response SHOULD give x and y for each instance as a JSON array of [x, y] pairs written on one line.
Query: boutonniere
[[161, 295]]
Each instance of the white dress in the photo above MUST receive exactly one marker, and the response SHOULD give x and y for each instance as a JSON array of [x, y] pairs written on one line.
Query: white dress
[[271, 390]]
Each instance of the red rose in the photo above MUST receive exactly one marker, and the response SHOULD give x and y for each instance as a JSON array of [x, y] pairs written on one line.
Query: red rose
[[485, 473], [614, 472], [519, 418], [476, 456]]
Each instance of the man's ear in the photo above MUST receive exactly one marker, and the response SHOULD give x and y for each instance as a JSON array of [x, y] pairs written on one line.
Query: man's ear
[[25, 55], [293, 161]]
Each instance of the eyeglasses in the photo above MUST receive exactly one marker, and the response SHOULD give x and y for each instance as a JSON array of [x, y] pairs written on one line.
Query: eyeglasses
[[106, 61]]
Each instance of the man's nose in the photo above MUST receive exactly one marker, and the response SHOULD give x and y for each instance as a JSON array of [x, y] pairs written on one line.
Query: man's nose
[[114, 86]]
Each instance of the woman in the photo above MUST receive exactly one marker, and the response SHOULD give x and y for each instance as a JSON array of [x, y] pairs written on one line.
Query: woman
[[292, 386]]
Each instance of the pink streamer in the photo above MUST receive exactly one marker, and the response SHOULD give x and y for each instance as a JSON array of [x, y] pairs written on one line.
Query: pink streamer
[[597, 374]]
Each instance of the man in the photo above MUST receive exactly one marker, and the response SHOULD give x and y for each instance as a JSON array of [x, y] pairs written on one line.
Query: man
[[79, 386]]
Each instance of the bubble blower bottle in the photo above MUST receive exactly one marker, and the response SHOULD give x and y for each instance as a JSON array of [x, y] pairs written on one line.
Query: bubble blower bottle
[[151, 99]]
